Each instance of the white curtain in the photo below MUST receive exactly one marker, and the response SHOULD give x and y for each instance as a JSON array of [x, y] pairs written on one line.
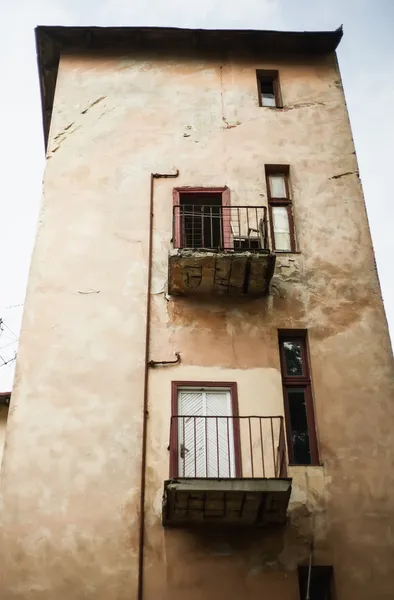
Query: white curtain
[[281, 228], [277, 186]]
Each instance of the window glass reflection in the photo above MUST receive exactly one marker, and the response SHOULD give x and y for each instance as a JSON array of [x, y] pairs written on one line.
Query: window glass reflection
[[299, 427], [293, 358]]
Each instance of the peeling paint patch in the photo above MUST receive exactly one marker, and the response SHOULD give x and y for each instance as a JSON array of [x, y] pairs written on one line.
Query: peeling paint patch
[[83, 112], [228, 125], [87, 292], [344, 174], [302, 105], [63, 136]]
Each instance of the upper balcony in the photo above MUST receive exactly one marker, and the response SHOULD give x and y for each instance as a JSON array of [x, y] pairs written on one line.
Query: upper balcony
[[226, 470], [220, 250]]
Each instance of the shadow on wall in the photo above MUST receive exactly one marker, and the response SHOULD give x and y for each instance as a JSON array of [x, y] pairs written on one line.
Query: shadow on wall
[[227, 562]]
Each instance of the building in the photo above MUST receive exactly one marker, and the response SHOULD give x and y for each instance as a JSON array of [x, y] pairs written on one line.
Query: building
[[203, 397]]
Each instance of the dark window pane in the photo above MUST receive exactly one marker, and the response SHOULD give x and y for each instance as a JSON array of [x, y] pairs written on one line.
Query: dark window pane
[[293, 358], [267, 93], [299, 426], [320, 582], [201, 220]]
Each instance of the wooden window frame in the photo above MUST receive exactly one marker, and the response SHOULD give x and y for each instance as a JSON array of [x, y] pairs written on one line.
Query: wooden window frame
[[287, 203], [273, 75], [304, 382], [232, 387], [226, 218]]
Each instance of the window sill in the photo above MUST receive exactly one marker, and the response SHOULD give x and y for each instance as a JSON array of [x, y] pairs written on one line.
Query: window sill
[[287, 252]]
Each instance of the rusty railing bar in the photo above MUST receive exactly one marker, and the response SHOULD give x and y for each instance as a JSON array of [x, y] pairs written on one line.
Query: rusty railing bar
[[221, 227], [239, 223], [262, 448], [211, 227], [265, 228], [273, 445], [206, 448], [171, 435], [195, 448], [228, 447], [183, 445], [251, 447], [279, 453], [231, 417], [173, 225], [283, 464], [183, 240], [257, 219], [217, 445]]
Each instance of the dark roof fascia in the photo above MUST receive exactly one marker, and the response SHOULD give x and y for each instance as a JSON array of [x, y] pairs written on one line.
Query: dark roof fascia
[[5, 398], [52, 40]]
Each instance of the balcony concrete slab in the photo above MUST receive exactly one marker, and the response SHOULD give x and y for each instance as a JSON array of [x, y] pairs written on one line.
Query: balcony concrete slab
[[248, 502], [221, 273]]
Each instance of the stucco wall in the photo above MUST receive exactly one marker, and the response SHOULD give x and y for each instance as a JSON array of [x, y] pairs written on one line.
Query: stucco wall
[[70, 481]]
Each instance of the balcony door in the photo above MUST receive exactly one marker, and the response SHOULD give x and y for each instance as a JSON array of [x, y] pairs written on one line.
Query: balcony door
[[202, 218], [207, 437]]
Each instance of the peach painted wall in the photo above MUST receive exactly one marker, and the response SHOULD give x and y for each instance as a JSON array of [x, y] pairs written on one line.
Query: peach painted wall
[[70, 479]]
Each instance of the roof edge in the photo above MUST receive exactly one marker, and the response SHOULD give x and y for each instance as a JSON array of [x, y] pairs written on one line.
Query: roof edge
[[51, 40]]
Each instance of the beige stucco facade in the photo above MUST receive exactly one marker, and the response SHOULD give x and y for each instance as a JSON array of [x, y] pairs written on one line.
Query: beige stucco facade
[[71, 470]]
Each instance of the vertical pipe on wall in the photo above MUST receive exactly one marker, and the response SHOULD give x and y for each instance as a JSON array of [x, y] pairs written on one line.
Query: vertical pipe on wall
[[308, 584], [153, 176]]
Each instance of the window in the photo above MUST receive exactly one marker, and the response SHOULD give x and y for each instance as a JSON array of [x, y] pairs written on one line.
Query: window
[[299, 413], [205, 439], [268, 88], [248, 243], [280, 208], [320, 583], [202, 218]]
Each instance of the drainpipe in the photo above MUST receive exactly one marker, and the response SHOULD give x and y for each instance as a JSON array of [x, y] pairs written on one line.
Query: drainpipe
[[308, 584], [153, 176]]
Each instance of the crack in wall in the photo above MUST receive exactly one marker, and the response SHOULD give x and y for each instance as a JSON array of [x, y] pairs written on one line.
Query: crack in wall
[[83, 112], [227, 125], [63, 135], [302, 105], [344, 174], [59, 135]]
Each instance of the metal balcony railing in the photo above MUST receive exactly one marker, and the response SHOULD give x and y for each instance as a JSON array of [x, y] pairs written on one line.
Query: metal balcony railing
[[226, 447], [238, 228]]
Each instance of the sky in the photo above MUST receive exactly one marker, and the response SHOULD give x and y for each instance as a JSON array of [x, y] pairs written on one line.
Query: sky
[[366, 59]]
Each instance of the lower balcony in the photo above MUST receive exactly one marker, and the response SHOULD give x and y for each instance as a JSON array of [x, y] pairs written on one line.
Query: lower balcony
[[220, 250], [226, 471]]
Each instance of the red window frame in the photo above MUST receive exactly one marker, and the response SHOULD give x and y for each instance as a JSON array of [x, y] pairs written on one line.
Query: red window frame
[[224, 191], [286, 202], [289, 382], [233, 389]]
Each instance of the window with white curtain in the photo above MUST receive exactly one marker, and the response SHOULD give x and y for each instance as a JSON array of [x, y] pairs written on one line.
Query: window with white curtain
[[280, 208]]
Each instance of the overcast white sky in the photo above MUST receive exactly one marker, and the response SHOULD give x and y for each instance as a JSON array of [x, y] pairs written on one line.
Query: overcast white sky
[[366, 57]]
